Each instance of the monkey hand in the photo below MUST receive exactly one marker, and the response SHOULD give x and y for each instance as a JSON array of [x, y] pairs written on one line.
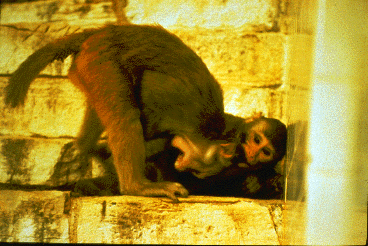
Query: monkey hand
[[171, 190]]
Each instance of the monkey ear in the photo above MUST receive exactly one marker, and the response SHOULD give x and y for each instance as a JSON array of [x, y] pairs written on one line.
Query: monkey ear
[[228, 150], [255, 115]]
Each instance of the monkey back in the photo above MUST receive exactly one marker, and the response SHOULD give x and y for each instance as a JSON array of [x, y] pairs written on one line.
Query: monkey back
[[188, 82]]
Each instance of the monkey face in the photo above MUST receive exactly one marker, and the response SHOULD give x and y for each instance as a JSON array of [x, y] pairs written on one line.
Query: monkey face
[[257, 147], [201, 158]]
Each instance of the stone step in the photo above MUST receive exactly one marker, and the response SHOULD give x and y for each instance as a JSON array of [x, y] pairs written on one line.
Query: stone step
[[55, 217]]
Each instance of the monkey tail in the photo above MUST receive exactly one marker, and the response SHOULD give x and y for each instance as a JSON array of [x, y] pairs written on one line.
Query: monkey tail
[[18, 85]]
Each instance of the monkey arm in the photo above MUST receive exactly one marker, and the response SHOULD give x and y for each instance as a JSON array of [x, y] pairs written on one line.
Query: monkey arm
[[114, 102]]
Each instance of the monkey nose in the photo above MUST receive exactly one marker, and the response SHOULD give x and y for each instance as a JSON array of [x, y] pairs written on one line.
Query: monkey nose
[[251, 158]]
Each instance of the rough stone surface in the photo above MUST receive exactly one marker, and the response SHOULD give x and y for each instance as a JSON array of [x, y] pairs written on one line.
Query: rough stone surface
[[83, 13], [33, 217], [253, 15], [196, 220], [52, 216], [235, 57], [244, 102], [28, 161], [53, 108], [32, 161]]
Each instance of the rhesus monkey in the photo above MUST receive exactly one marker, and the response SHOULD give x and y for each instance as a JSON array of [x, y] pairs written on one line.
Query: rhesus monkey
[[250, 174], [141, 83], [256, 179]]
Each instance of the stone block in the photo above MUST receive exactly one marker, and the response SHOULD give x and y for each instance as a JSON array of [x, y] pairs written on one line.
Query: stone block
[[251, 15], [300, 60], [82, 13], [54, 107], [239, 58], [18, 41], [55, 217], [37, 216], [244, 102], [195, 220], [28, 161]]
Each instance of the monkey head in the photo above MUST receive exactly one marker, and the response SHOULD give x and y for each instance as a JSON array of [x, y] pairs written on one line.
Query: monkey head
[[201, 157], [258, 141], [263, 141]]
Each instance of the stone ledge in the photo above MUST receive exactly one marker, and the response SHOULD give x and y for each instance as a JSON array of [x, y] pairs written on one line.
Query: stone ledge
[[52, 216]]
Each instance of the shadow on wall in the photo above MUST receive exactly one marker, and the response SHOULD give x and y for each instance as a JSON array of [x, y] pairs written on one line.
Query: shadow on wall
[[297, 161]]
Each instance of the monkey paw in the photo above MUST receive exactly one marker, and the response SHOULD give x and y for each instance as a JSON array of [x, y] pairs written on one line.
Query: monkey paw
[[166, 189], [70, 167]]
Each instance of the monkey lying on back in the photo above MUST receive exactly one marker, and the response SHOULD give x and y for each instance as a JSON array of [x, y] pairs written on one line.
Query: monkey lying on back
[[142, 83], [244, 177]]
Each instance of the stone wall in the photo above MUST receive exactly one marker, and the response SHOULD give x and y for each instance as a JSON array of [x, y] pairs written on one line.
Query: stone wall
[[247, 57], [245, 44]]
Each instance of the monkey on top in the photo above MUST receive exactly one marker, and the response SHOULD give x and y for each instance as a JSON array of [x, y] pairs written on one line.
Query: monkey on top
[[144, 84]]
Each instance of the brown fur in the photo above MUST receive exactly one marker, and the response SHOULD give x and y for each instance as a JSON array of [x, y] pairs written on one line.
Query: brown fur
[[141, 82]]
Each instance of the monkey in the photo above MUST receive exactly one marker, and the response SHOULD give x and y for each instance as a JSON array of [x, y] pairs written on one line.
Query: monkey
[[250, 175], [142, 83], [239, 179]]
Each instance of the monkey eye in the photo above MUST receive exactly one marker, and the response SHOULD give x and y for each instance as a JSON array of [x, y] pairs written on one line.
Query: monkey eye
[[266, 152], [257, 139]]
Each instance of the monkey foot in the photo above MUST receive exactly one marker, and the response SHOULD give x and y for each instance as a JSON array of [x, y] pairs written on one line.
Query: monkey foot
[[108, 186], [70, 167]]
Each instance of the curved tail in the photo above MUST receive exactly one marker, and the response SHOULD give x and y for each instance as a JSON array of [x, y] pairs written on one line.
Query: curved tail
[[16, 90]]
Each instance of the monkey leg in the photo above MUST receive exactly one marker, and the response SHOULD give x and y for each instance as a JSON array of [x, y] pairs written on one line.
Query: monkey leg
[[90, 132], [112, 96]]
